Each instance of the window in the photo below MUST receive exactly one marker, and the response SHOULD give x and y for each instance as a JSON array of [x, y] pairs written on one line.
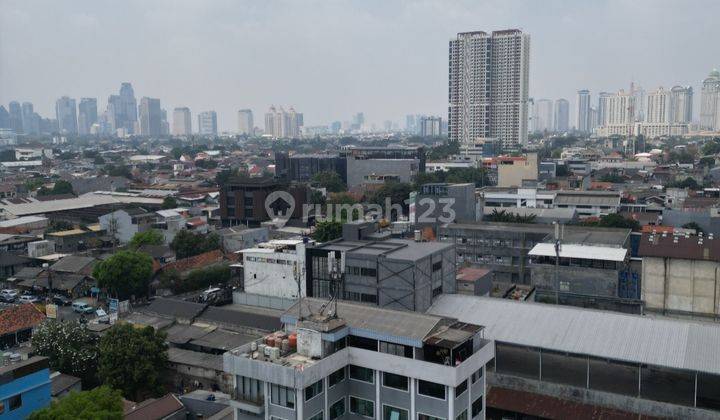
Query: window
[[396, 349], [477, 407], [362, 343], [477, 375], [313, 390], [431, 389], [249, 389], [437, 266], [394, 413], [422, 416], [282, 396], [336, 377], [462, 416], [362, 407], [337, 409], [15, 402], [362, 374], [318, 416], [461, 388], [392, 380]]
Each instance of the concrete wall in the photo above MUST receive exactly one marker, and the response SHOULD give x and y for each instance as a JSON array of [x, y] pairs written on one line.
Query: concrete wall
[[357, 169], [513, 175], [687, 286]]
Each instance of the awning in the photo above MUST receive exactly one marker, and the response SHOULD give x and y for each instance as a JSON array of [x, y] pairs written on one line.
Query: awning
[[588, 252]]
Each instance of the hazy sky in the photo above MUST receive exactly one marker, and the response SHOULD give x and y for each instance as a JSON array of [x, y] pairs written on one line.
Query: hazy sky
[[333, 58]]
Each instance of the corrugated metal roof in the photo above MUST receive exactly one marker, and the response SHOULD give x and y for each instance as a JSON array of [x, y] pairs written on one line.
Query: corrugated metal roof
[[580, 251], [671, 343]]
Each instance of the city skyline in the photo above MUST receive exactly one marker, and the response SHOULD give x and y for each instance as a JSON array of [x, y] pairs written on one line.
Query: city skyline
[[637, 35]]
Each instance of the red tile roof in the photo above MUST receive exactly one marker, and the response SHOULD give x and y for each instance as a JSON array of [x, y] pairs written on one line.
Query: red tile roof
[[198, 261], [155, 408], [689, 248], [20, 317]]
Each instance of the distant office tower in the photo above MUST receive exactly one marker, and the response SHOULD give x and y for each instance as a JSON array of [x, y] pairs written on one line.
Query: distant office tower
[[207, 123], [150, 117], [87, 115], [562, 115], [4, 117], [246, 125], [584, 121], [30, 120], [532, 115], [593, 118], [335, 127], [639, 103], [681, 104], [488, 88], [709, 102], [66, 113], [430, 126], [602, 108], [182, 123], [658, 106], [544, 111], [122, 110], [358, 121], [164, 125], [620, 108], [15, 111], [282, 124]]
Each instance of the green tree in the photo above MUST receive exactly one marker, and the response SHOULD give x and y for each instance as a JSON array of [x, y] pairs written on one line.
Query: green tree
[[186, 244], [70, 348], [711, 147], [506, 217], [59, 226], [169, 203], [124, 274], [317, 197], [149, 237], [133, 360], [612, 177], [61, 187], [197, 279], [327, 231], [330, 180], [397, 192], [688, 182], [99, 403], [693, 225]]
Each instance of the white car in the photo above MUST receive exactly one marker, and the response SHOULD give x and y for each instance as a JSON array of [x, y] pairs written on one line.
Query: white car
[[9, 295], [29, 299]]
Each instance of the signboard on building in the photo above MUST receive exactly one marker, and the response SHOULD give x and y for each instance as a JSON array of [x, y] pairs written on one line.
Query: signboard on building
[[113, 305], [51, 311]]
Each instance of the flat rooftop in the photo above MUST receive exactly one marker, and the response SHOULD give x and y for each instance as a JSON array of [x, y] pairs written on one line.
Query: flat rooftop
[[396, 249]]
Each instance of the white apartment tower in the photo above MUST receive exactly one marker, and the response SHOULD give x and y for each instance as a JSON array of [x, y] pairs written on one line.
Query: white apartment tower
[[545, 121], [658, 106], [681, 104], [182, 124], [562, 115], [584, 123], [207, 123], [710, 102], [488, 87], [283, 124], [246, 126]]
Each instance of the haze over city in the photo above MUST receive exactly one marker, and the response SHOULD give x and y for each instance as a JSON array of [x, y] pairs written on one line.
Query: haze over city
[[332, 59]]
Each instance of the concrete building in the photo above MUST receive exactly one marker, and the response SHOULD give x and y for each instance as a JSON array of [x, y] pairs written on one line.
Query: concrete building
[[584, 203], [488, 87], [207, 123], [372, 165], [25, 388], [562, 362], [511, 172], [363, 362], [123, 224], [182, 122], [283, 124], [710, 102], [583, 120], [87, 115], [246, 126], [658, 106], [276, 268], [66, 113], [441, 203], [562, 116], [680, 274], [681, 104], [150, 117], [430, 126], [237, 238], [243, 201], [303, 167], [544, 120], [397, 274]]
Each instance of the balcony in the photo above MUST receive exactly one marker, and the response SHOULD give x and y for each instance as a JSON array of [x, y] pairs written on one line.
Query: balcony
[[248, 404]]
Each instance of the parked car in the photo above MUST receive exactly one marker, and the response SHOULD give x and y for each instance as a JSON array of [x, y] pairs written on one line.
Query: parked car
[[82, 307], [9, 295], [29, 299], [61, 300]]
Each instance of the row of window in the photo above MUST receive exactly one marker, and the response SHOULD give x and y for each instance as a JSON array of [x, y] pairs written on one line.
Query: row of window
[[270, 260], [362, 271]]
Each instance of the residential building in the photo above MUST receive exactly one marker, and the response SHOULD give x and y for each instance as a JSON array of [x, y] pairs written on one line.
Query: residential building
[[371, 165], [584, 122], [30, 119], [488, 87], [182, 122], [207, 123], [283, 124], [362, 361], [87, 115], [562, 116], [243, 201], [150, 117], [680, 273], [66, 113], [430, 126], [512, 171], [276, 268], [246, 126], [658, 106], [25, 388], [123, 224], [562, 362], [710, 102], [544, 115], [681, 104], [15, 117], [303, 167]]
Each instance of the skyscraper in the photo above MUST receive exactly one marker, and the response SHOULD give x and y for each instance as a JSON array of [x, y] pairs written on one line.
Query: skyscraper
[[602, 108], [4, 117], [164, 125], [583, 111], [430, 126], [709, 102], [150, 117], [544, 110], [87, 115], [562, 115], [681, 104], [488, 87], [207, 123], [246, 126], [30, 120], [15, 111], [66, 113], [182, 122], [129, 108], [283, 124], [658, 106]]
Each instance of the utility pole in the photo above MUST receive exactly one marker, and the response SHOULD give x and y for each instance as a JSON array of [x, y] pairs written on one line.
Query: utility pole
[[557, 262]]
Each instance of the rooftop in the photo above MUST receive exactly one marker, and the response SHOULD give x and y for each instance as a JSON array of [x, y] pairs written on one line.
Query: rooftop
[[19, 317], [680, 246], [396, 249]]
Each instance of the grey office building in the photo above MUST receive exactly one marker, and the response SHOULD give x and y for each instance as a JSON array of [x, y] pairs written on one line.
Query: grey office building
[[441, 203], [150, 117], [375, 165], [87, 115], [355, 361], [66, 113]]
